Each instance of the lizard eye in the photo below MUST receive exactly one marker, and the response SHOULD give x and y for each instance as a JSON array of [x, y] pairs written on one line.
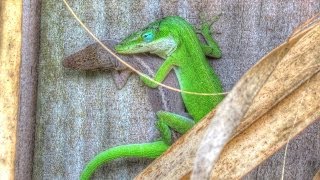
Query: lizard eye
[[148, 37]]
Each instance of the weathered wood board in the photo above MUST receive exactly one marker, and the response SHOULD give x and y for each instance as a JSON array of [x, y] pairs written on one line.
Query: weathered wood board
[[82, 113], [10, 47]]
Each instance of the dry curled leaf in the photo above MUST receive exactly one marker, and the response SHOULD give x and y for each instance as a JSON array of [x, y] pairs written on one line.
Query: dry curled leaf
[[95, 57], [275, 100], [317, 176]]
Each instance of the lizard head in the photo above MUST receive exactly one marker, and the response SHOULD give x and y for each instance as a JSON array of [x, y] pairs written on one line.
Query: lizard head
[[153, 39]]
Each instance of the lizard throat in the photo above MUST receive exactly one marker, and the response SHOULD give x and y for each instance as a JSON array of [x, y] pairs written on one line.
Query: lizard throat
[[163, 47]]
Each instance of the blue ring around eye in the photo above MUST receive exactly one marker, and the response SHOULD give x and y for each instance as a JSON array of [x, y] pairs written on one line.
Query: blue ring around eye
[[148, 37]]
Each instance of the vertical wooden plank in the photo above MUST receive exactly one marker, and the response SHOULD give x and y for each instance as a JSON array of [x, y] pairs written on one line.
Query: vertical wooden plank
[[80, 114], [10, 46], [28, 87]]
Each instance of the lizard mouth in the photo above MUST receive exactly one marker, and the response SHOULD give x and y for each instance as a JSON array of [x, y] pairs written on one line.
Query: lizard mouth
[[119, 48], [123, 49]]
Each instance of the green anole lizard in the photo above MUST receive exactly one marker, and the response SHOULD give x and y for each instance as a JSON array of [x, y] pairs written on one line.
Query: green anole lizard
[[175, 40]]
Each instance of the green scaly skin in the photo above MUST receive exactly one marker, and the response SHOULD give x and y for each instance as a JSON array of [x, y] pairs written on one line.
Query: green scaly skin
[[175, 40]]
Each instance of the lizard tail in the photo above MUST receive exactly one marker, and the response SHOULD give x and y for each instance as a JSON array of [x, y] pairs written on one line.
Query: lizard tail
[[147, 150]]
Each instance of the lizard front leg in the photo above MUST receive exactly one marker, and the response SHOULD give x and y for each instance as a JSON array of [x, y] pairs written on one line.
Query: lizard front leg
[[167, 120], [161, 74]]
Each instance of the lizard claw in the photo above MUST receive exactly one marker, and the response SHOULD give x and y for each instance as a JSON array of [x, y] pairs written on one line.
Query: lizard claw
[[206, 26], [215, 19]]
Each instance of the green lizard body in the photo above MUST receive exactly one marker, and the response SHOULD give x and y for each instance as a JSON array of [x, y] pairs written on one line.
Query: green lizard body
[[176, 41]]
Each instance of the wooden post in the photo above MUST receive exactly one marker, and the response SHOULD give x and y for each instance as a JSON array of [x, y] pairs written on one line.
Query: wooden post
[[10, 57]]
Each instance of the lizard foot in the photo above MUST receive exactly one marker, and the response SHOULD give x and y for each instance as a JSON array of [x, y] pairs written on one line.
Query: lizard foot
[[205, 27]]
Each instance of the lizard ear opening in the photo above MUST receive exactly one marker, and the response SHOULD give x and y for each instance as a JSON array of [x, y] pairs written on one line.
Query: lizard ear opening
[[148, 36]]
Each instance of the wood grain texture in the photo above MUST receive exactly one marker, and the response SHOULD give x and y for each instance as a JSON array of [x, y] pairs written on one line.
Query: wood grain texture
[[28, 87], [82, 113], [10, 57]]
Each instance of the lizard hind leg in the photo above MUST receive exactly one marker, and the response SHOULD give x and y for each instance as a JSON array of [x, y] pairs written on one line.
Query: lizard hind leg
[[211, 48], [176, 122]]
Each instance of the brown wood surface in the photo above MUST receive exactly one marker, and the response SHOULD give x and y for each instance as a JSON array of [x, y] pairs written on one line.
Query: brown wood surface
[[82, 113], [28, 87]]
